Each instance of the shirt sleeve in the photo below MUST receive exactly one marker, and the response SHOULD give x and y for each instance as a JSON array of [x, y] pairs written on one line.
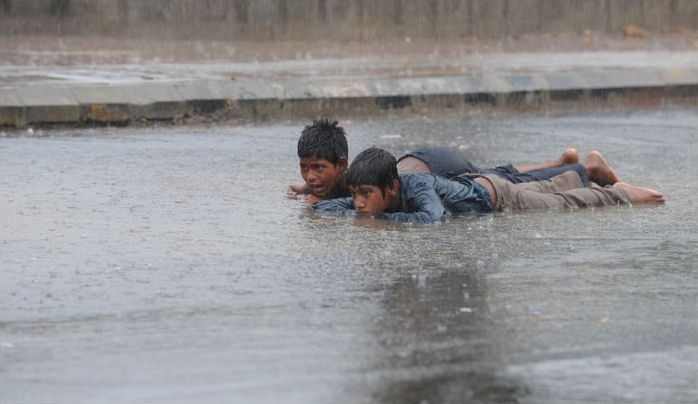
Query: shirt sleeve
[[339, 206], [425, 204]]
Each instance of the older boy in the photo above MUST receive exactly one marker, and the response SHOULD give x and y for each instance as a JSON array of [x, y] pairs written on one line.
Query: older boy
[[448, 164], [378, 191], [323, 154]]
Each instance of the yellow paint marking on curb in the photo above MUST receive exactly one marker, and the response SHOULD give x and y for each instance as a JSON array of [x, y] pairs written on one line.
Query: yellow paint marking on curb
[[107, 113], [6, 117]]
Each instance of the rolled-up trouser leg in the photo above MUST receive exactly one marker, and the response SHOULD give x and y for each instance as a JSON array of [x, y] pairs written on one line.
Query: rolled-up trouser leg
[[518, 197], [511, 174], [560, 183]]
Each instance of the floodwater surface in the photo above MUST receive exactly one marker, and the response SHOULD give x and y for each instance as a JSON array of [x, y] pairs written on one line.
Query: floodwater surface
[[166, 265]]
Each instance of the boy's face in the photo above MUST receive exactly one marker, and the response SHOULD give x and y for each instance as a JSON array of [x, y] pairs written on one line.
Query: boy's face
[[321, 175], [370, 201]]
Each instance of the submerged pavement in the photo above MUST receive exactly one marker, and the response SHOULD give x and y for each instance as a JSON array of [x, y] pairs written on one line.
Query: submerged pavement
[[165, 265], [70, 85]]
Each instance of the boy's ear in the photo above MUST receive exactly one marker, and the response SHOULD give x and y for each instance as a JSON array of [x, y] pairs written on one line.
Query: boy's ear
[[342, 164], [394, 188]]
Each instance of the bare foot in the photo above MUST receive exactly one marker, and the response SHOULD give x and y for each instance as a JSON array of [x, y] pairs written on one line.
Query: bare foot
[[599, 170], [569, 156], [641, 195]]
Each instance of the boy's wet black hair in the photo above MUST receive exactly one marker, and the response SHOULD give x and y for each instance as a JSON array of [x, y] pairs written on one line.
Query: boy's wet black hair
[[324, 140], [373, 166]]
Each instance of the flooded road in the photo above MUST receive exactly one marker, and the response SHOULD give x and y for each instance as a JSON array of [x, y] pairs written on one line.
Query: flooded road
[[165, 265]]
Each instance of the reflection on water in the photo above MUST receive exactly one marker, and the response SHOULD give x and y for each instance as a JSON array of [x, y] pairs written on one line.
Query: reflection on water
[[132, 258], [435, 341]]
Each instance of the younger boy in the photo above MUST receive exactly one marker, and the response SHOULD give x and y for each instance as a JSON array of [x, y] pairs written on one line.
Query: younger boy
[[378, 191]]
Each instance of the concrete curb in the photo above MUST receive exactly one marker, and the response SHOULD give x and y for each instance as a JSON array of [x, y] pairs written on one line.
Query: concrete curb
[[255, 99]]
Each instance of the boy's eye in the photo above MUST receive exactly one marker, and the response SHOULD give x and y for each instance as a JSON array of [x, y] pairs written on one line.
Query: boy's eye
[[364, 193], [318, 167]]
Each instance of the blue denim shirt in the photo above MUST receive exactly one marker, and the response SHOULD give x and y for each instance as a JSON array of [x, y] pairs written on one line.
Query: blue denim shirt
[[425, 198]]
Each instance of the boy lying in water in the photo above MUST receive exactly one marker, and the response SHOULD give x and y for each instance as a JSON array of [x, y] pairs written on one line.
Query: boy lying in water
[[378, 191], [323, 154]]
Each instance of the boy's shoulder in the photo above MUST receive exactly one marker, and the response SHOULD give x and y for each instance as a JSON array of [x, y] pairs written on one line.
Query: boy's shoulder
[[420, 178], [412, 182], [416, 176]]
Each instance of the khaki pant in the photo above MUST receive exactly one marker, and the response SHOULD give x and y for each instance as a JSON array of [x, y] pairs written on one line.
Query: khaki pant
[[564, 191]]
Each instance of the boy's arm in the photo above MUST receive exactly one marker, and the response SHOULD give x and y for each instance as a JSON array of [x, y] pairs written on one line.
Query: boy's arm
[[341, 206], [427, 204]]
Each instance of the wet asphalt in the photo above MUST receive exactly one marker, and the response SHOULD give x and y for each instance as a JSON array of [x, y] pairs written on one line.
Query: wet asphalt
[[165, 265]]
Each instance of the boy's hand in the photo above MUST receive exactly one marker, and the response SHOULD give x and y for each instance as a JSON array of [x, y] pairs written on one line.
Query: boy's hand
[[295, 190]]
